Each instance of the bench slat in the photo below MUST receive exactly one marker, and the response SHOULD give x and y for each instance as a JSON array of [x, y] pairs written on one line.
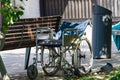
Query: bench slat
[[37, 20], [22, 33]]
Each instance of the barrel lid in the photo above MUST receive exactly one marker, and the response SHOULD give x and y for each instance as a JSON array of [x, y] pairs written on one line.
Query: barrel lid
[[101, 10]]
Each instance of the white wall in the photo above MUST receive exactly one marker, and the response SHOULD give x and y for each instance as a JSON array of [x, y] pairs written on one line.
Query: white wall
[[31, 8]]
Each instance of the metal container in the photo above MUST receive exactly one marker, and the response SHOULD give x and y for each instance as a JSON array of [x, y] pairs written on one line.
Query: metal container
[[101, 34]]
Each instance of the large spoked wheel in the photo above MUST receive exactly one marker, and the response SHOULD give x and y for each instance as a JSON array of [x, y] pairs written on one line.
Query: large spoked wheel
[[51, 61], [83, 56]]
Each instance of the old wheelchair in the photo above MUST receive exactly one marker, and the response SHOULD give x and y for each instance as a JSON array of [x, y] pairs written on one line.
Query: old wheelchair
[[53, 52]]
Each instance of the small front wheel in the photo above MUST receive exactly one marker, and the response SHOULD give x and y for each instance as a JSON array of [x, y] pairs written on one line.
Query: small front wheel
[[32, 72], [68, 73]]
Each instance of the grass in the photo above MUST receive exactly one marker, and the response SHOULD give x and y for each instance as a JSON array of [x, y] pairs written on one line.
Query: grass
[[113, 75]]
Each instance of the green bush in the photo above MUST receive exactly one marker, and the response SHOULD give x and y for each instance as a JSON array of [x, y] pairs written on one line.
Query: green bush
[[115, 74], [10, 13]]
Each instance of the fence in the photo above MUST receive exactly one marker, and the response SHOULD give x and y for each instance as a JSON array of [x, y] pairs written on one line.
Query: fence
[[77, 9]]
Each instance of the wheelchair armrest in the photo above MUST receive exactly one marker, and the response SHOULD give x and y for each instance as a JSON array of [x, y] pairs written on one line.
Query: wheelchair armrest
[[70, 31], [45, 33]]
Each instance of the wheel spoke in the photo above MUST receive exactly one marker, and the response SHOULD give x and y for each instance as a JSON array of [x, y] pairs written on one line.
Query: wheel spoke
[[84, 56], [51, 61]]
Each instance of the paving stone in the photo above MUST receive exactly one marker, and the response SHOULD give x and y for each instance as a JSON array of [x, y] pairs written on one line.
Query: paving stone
[[14, 62]]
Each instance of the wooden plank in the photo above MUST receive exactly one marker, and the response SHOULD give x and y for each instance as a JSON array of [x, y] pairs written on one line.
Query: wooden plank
[[47, 7], [90, 8], [19, 38], [86, 8], [18, 42], [72, 9], [80, 9], [63, 8], [108, 4], [23, 34], [83, 10], [20, 35], [59, 8], [118, 7], [23, 44], [115, 5], [69, 9], [76, 9], [101, 3], [32, 25], [112, 7]]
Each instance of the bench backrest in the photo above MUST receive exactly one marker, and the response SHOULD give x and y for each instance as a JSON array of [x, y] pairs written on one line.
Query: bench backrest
[[22, 33]]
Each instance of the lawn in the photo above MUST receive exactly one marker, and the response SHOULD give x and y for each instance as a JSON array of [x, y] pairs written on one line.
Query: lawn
[[113, 75]]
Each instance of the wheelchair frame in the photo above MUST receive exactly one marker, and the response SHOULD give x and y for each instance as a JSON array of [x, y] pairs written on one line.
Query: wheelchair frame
[[57, 52]]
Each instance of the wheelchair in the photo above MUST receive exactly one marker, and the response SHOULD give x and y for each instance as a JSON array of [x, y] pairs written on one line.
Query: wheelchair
[[53, 53]]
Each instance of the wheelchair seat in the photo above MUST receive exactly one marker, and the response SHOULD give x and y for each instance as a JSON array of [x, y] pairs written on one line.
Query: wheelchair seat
[[50, 43]]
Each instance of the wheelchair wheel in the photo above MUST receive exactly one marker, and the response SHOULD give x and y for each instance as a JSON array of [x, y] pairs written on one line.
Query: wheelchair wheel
[[32, 72], [51, 61], [83, 57], [68, 73]]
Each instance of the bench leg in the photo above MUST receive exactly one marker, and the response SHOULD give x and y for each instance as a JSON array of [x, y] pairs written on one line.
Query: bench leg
[[3, 70], [27, 56]]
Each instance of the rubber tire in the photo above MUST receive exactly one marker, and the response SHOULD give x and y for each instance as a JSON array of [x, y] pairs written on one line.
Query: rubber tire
[[32, 72], [55, 70], [91, 59]]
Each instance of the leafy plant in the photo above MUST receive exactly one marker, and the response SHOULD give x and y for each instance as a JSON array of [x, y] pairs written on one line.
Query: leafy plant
[[115, 74], [10, 13], [85, 77]]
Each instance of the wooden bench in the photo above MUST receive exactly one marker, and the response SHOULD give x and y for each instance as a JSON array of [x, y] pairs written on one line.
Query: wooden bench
[[22, 33]]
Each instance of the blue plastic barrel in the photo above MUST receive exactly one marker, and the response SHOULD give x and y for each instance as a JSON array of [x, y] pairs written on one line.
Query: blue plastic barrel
[[101, 36]]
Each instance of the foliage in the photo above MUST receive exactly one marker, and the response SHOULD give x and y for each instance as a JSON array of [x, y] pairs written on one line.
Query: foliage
[[10, 13], [87, 78], [115, 74]]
